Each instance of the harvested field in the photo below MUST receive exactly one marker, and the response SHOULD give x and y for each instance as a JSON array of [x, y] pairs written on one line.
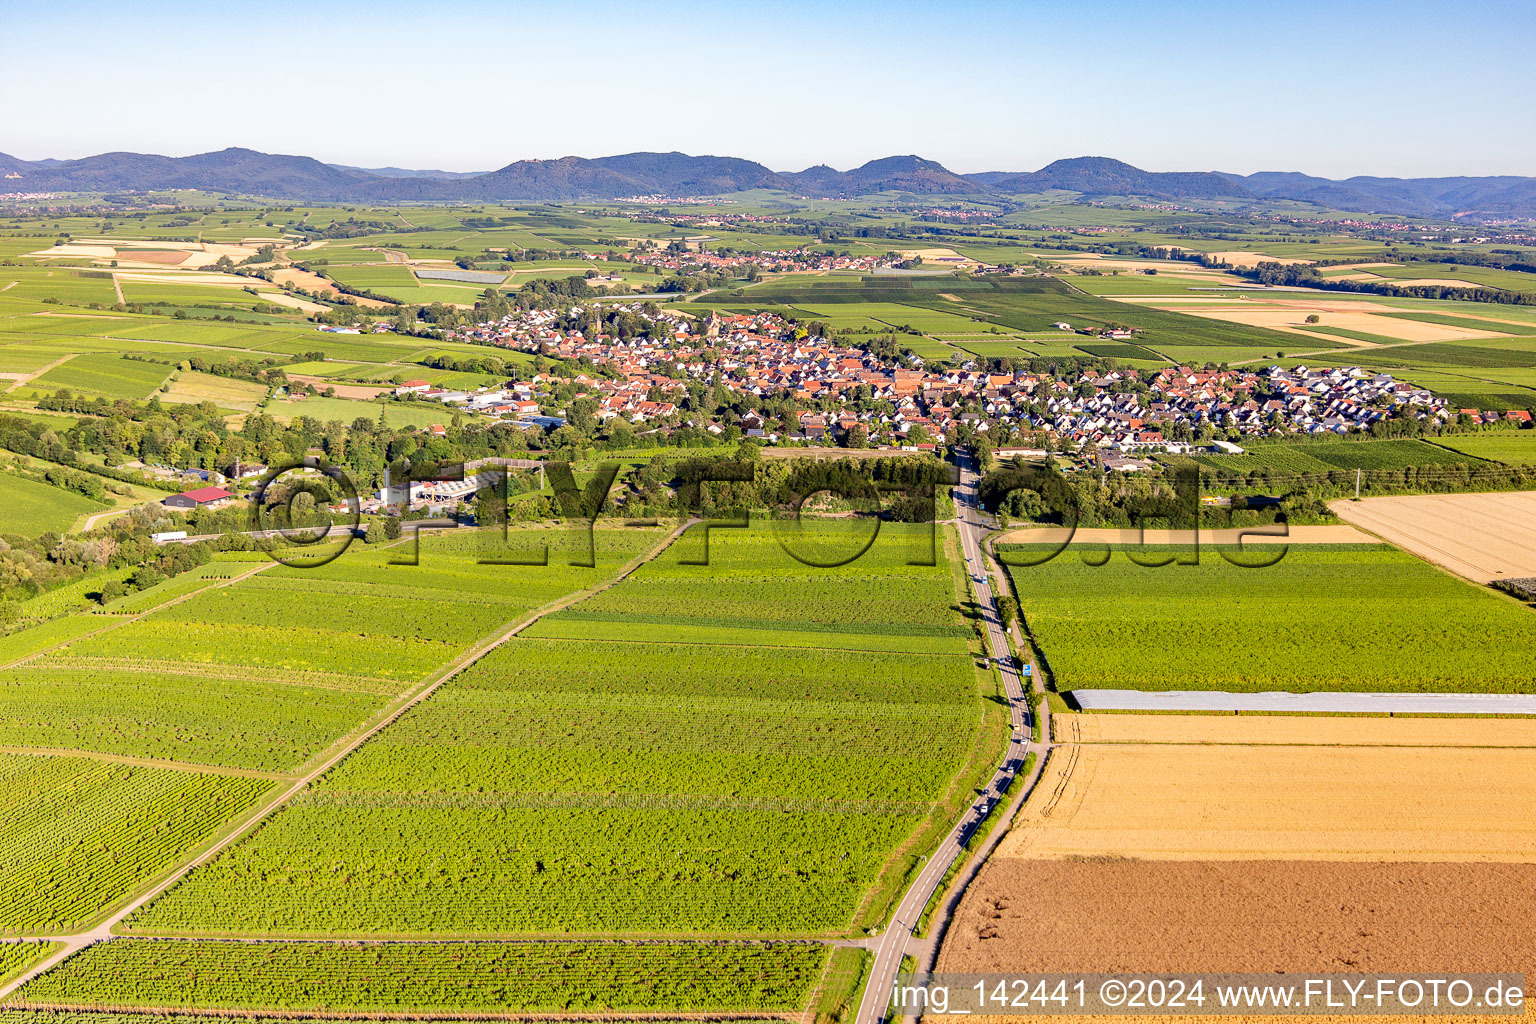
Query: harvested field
[[366, 392], [1298, 730], [1292, 319], [1096, 535], [1482, 537], [1242, 258], [945, 256], [1254, 916], [1171, 802], [170, 257], [306, 279], [292, 301], [74, 250]]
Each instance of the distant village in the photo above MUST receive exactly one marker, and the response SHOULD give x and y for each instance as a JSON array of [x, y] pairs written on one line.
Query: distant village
[[767, 260]]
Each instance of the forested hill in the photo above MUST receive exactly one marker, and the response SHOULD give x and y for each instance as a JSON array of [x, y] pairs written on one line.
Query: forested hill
[[247, 172]]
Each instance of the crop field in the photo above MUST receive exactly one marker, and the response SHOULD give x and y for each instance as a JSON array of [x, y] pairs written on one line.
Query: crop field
[[1512, 449], [1468, 321], [16, 957], [1483, 537], [107, 374], [1327, 456], [1454, 273], [32, 507], [396, 978], [349, 347], [1025, 305], [755, 592], [1298, 730], [272, 721], [1386, 917], [82, 834], [193, 387], [1356, 617], [396, 414], [27, 643], [717, 785], [1275, 802], [1206, 838], [1486, 354]]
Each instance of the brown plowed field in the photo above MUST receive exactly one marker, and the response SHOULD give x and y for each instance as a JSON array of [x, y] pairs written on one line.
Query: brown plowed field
[[1263, 844], [1250, 916]]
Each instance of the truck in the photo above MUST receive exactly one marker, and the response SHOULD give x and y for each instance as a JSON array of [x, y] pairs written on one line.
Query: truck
[[168, 537]]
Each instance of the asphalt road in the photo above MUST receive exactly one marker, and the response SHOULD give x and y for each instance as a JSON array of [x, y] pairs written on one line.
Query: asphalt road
[[893, 943]]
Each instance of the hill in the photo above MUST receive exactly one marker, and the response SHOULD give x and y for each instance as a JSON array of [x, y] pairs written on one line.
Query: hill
[[1103, 176], [247, 172]]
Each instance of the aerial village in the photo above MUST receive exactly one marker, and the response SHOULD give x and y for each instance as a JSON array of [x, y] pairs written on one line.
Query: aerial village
[[847, 395]]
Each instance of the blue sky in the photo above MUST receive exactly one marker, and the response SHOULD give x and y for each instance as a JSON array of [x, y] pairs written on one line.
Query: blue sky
[[1390, 88]]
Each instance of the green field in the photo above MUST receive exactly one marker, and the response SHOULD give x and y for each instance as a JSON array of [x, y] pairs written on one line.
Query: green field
[[396, 414], [32, 507], [16, 957], [745, 770], [1474, 276], [484, 977], [1278, 459], [1325, 617], [104, 373], [193, 387], [1511, 448], [81, 835]]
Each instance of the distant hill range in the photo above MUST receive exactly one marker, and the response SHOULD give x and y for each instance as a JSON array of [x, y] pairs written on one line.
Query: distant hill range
[[247, 172]]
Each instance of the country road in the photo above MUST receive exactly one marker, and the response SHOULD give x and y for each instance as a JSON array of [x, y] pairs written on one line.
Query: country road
[[897, 940]]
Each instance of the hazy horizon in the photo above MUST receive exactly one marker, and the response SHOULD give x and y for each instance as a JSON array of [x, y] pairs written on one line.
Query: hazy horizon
[[980, 86]]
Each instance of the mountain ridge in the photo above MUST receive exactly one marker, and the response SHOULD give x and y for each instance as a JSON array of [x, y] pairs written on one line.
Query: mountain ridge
[[291, 177]]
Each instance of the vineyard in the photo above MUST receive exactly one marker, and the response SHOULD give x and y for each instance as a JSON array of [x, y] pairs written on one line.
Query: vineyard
[[754, 592], [16, 957], [33, 507], [1356, 617], [1324, 457], [145, 709], [399, 977], [80, 834], [632, 787], [1508, 447]]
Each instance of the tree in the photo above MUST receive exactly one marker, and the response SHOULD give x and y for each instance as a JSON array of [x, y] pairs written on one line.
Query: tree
[[1007, 610], [1313, 318], [147, 576]]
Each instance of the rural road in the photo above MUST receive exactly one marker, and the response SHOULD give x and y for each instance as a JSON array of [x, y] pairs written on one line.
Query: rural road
[[893, 944]]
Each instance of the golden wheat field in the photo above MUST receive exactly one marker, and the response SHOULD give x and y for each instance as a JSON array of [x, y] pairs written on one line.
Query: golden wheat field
[[1266, 802], [1297, 730]]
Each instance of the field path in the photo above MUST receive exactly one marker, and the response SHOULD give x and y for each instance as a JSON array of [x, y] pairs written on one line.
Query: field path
[[897, 940], [103, 931], [117, 286], [114, 621], [95, 517], [9, 286], [27, 378]]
